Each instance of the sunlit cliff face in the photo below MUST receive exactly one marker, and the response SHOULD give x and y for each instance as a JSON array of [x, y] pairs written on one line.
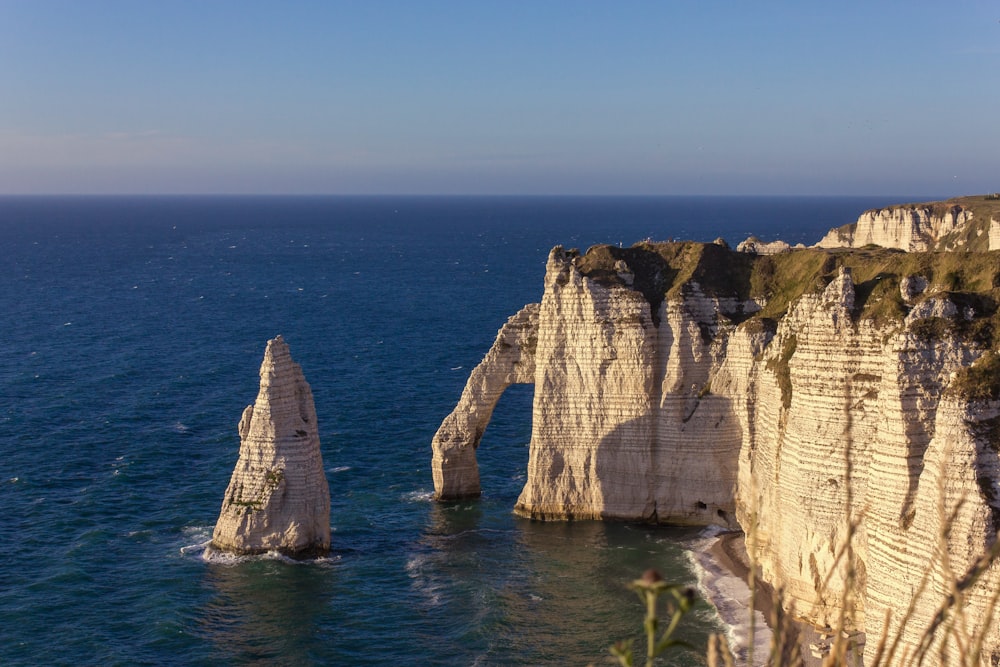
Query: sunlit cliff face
[[278, 498], [799, 396]]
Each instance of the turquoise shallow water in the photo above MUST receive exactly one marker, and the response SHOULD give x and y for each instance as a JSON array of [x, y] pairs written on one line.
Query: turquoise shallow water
[[133, 332]]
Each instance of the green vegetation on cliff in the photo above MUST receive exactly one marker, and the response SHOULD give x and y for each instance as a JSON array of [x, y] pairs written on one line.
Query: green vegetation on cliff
[[661, 270], [980, 382], [664, 270], [970, 280], [981, 206]]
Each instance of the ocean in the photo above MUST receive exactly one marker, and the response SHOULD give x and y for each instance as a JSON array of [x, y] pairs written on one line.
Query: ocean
[[133, 329]]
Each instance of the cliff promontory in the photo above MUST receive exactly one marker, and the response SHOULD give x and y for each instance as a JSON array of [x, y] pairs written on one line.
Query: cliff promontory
[[963, 223], [278, 498], [840, 406]]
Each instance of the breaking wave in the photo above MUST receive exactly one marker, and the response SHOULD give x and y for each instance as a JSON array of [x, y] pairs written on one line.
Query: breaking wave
[[730, 596]]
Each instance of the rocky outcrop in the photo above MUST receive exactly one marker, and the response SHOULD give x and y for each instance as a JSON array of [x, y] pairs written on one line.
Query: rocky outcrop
[[618, 381], [814, 399], [757, 247], [598, 347], [278, 498], [994, 238]]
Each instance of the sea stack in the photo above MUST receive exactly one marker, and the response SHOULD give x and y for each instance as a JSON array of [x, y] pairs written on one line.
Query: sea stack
[[278, 497]]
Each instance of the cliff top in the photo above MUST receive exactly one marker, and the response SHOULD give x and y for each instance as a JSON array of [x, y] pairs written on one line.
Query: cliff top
[[981, 206], [662, 270]]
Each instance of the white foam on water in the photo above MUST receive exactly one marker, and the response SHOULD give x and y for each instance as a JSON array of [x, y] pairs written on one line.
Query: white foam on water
[[425, 586], [210, 555], [216, 557], [201, 546], [418, 496], [205, 532], [197, 539], [730, 596], [325, 560], [198, 548], [339, 469]]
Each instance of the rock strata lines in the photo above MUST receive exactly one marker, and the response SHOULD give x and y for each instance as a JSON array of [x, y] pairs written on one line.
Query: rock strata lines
[[822, 400], [278, 498]]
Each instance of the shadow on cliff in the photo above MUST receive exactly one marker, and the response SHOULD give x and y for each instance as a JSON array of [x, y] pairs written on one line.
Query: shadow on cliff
[[623, 471], [677, 464]]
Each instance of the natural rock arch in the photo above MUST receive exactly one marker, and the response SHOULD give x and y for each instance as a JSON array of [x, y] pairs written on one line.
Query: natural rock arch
[[511, 360]]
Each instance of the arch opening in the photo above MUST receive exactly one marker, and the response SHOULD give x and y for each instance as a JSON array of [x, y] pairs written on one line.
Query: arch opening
[[503, 450], [511, 361]]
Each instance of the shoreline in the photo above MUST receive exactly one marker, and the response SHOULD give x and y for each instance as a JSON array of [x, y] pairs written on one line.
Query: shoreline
[[728, 551]]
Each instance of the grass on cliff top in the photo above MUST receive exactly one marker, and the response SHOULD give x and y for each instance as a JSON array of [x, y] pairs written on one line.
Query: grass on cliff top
[[982, 206], [663, 269], [969, 279]]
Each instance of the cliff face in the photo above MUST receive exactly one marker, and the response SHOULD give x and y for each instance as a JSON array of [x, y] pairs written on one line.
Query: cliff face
[[625, 421], [811, 398], [618, 380], [933, 549], [803, 467], [914, 230], [964, 223], [596, 351], [278, 497]]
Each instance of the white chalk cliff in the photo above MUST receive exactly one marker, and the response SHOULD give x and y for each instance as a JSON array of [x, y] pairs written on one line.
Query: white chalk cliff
[[278, 498], [835, 420], [617, 382], [964, 223]]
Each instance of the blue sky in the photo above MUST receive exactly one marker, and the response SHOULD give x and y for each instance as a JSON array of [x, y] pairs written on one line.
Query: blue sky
[[482, 97]]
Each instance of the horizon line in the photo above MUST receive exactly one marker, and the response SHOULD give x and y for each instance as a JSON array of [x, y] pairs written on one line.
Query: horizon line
[[194, 195]]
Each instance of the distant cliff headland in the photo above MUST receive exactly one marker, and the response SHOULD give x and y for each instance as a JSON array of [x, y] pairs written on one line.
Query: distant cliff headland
[[842, 402], [963, 223]]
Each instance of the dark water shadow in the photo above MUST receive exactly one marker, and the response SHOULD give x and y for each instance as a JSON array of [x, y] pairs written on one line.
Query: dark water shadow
[[265, 611]]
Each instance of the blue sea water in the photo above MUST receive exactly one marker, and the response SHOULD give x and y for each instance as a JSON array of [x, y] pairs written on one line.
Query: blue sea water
[[133, 329]]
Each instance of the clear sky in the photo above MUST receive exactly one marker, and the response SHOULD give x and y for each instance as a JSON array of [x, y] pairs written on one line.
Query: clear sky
[[505, 97]]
